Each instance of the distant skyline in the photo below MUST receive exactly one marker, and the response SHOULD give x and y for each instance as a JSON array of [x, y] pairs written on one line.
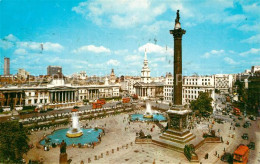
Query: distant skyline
[[222, 36]]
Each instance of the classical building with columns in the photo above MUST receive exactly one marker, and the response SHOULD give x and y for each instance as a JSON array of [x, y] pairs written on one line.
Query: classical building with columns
[[55, 94], [146, 88]]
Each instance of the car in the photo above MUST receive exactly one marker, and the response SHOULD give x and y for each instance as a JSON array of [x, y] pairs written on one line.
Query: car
[[237, 124], [240, 118], [245, 136], [251, 145], [224, 113], [248, 122], [220, 121], [234, 119], [227, 157], [253, 118], [245, 125]]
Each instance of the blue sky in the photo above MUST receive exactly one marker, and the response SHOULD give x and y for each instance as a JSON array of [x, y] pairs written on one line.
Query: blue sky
[[222, 36]]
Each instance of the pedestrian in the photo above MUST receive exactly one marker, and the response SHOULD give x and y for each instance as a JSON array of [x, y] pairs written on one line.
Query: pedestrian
[[230, 128], [216, 153], [224, 149]]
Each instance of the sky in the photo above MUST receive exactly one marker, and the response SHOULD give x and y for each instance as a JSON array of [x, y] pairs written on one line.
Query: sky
[[222, 36]]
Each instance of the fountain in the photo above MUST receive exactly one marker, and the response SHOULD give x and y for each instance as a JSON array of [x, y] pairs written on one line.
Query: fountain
[[75, 130], [148, 113]]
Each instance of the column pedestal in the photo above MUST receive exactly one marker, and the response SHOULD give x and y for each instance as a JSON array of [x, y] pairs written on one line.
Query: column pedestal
[[63, 158], [177, 135]]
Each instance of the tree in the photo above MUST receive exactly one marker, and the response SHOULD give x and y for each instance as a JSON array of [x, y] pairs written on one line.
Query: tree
[[203, 103], [13, 141]]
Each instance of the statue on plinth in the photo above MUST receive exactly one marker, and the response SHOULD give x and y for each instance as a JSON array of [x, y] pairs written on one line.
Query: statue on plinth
[[63, 147]]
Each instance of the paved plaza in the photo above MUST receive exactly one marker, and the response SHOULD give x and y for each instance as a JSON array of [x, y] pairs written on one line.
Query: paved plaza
[[120, 134]]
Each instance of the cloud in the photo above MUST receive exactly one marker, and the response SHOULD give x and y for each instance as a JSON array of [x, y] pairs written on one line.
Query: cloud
[[122, 14], [154, 48], [36, 46], [133, 58], [250, 27], [20, 51], [91, 48], [8, 41], [121, 52], [11, 37], [230, 61], [113, 62], [252, 39], [213, 52], [160, 59], [251, 51]]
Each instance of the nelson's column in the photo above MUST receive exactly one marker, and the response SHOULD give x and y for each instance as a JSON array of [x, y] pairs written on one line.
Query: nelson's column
[[177, 135]]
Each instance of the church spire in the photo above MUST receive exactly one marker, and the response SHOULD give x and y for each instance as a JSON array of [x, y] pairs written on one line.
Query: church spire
[[145, 55]]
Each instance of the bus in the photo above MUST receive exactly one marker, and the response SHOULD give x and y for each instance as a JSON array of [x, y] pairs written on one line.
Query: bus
[[236, 111], [241, 155]]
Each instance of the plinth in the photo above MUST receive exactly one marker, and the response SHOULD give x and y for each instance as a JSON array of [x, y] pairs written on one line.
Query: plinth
[[177, 135], [63, 158]]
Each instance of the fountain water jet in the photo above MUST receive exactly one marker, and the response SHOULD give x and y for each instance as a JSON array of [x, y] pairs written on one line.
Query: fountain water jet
[[75, 130], [148, 113]]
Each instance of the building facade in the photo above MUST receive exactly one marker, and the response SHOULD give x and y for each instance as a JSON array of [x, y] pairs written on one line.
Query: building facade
[[55, 94], [168, 88]]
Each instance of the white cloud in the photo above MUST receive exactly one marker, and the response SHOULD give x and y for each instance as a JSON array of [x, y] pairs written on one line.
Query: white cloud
[[133, 58], [8, 41], [36, 46], [113, 62], [247, 27], [230, 61], [159, 59], [253, 39], [20, 51], [91, 48], [251, 51], [122, 13], [213, 52], [11, 37], [121, 52], [154, 48]]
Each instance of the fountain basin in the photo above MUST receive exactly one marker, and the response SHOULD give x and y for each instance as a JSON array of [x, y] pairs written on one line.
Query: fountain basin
[[147, 116], [141, 117], [90, 136], [72, 134]]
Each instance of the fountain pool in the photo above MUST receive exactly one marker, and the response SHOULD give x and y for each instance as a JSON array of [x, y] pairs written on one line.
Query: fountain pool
[[139, 117], [90, 135]]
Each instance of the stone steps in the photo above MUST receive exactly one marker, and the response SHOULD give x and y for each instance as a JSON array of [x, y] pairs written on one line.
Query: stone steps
[[168, 146], [178, 140]]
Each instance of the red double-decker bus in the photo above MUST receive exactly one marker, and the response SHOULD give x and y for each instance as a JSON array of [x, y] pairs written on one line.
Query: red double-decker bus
[[241, 155]]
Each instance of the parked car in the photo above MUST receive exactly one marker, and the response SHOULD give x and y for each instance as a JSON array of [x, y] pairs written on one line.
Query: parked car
[[237, 124], [251, 145], [220, 121], [240, 118], [253, 118], [245, 136], [248, 122], [246, 125], [227, 157]]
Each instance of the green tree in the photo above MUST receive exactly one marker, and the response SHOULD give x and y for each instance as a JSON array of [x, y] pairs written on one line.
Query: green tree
[[13, 141], [202, 103]]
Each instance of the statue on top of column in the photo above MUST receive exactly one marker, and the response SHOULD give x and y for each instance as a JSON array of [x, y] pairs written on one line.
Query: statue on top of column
[[177, 20]]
